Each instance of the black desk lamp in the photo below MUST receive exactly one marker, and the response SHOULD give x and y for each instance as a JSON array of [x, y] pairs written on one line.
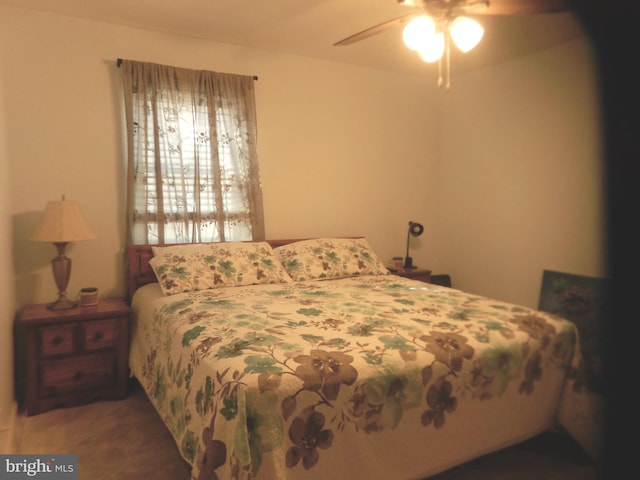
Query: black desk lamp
[[415, 229]]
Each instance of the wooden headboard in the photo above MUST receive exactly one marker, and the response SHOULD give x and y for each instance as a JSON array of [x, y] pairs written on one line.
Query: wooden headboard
[[139, 272]]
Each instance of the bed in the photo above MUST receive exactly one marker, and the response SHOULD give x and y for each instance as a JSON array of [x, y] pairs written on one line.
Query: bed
[[308, 359]]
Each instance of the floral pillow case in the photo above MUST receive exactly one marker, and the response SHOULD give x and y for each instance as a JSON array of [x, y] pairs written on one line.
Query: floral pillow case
[[186, 268], [324, 258]]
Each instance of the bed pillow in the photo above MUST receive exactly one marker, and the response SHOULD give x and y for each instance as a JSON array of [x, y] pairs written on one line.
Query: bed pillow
[[329, 258], [201, 266]]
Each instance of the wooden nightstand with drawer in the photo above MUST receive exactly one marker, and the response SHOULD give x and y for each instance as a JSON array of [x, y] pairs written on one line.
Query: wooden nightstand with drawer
[[75, 356], [421, 274]]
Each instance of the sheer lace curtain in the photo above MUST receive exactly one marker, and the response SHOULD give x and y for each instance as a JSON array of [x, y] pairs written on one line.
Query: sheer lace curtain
[[192, 162]]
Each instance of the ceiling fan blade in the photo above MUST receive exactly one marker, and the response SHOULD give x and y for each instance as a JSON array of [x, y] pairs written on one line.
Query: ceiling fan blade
[[491, 7], [376, 29], [524, 7]]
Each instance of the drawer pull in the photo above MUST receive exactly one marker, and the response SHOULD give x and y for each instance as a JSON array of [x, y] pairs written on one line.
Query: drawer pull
[[78, 376], [98, 336], [57, 340]]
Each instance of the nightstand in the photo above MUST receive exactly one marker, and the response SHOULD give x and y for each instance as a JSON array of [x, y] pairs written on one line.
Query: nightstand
[[421, 274], [75, 356]]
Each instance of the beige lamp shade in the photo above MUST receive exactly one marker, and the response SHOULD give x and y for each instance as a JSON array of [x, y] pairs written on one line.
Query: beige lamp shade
[[63, 222]]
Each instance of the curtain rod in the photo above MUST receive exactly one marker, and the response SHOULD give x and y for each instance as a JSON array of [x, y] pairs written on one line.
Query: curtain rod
[[119, 62]]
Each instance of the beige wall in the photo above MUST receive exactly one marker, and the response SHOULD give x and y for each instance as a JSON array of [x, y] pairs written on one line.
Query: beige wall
[[7, 406], [520, 177], [343, 150], [503, 170]]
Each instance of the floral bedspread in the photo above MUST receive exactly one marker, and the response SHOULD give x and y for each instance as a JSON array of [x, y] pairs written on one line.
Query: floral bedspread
[[380, 376]]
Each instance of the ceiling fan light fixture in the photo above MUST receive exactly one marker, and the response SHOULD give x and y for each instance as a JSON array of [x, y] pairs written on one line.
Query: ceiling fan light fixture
[[428, 36], [466, 33], [433, 50], [418, 32]]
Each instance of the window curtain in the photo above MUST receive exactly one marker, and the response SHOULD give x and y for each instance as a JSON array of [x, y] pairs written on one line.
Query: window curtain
[[192, 171]]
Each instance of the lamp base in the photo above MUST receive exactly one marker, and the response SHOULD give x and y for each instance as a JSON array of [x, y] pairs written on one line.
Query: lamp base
[[408, 263], [61, 266], [63, 303]]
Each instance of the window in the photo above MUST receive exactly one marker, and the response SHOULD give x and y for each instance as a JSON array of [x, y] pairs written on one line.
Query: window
[[192, 163]]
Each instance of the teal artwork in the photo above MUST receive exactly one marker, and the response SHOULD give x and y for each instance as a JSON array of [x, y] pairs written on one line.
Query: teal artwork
[[583, 300]]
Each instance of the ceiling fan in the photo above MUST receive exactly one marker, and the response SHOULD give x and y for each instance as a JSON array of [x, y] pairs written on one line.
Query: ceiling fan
[[431, 25]]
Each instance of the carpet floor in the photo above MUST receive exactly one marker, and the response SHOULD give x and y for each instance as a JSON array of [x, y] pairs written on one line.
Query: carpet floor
[[112, 443]]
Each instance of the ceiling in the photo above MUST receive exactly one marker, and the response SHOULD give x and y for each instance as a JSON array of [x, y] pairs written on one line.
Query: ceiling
[[311, 27]]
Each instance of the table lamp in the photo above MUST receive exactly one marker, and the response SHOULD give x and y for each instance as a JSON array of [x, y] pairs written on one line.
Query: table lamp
[[62, 223], [415, 230]]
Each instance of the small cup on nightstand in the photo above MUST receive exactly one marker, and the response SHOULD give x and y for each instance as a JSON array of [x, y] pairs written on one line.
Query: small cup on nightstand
[[88, 296], [397, 263]]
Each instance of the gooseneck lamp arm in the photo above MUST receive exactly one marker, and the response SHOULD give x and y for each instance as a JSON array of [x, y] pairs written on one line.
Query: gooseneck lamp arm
[[415, 229]]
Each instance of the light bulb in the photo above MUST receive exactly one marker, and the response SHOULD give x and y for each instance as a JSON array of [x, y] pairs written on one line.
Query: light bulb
[[432, 49], [418, 31], [465, 33]]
